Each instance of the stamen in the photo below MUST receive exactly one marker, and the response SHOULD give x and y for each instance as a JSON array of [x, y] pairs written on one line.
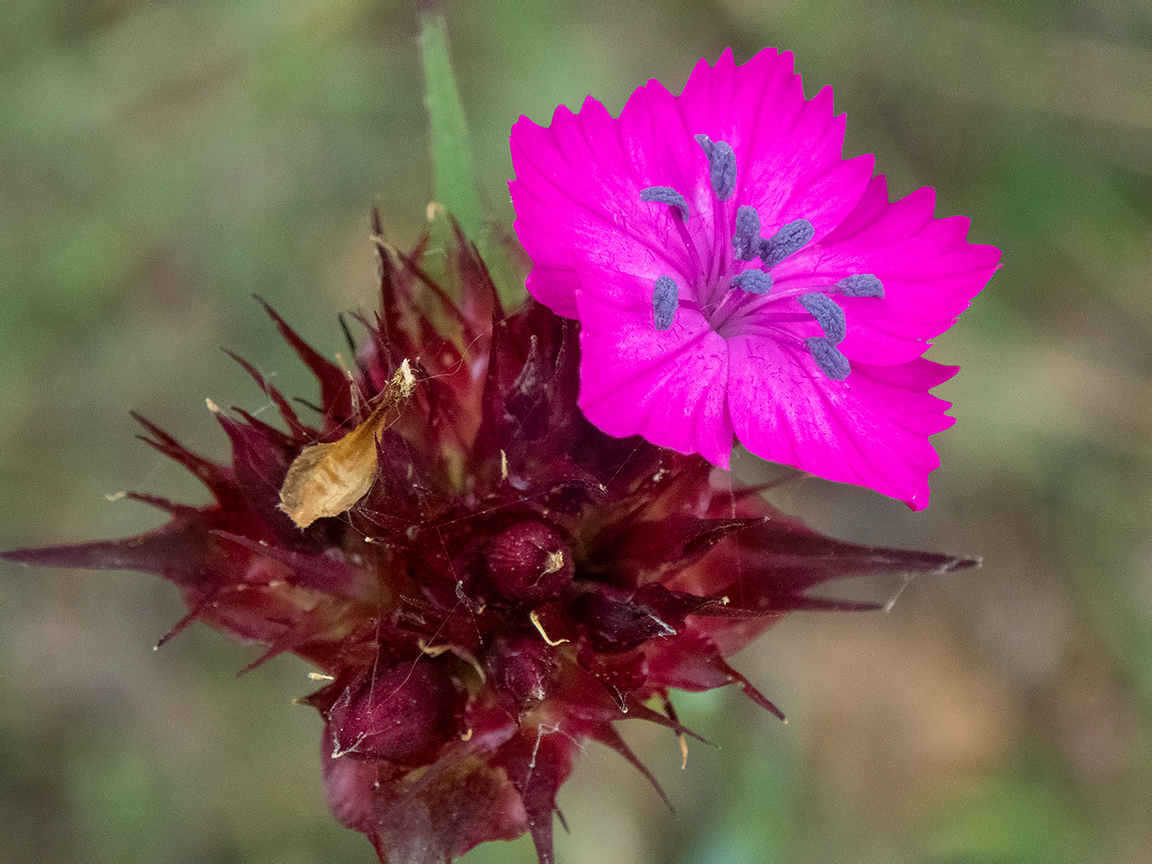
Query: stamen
[[666, 195], [860, 285], [721, 165], [665, 300], [828, 357], [746, 240], [752, 281], [791, 238], [828, 315]]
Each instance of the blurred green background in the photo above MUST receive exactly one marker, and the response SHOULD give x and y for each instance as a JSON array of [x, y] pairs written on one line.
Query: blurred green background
[[161, 161]]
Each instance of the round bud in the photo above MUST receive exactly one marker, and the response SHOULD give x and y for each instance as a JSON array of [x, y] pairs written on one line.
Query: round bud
[[394, 714], [529, 561], [524, 668]]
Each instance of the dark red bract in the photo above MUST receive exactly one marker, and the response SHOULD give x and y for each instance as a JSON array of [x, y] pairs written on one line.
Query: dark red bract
[[514, 583]]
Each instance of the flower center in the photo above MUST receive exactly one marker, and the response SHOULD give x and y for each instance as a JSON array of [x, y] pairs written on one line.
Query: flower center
[[737, 299]]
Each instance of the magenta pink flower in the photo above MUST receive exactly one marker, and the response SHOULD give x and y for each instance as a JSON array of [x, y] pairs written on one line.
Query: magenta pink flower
[[736, 278]]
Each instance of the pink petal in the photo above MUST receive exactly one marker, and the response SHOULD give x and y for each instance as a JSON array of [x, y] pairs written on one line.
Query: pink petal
[[669, 386], [577, 186], [871, 429], [929, 271]]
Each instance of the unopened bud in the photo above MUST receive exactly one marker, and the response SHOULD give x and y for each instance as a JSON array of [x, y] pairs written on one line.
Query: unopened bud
[[396, 714], [529, 561], [524, 668]]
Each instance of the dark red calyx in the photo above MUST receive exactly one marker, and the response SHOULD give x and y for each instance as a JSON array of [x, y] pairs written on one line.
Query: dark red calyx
[[617, 620], [530, 561], [395, 714], [524, 668], [620, 674]]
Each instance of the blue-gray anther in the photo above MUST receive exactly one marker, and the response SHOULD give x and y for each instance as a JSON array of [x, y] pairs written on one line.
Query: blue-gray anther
[[721, 166], [828, 315], [666, 195], [828, 357], [746, 240], [860, 285], [752, 281], [791, 238], [665, 299]]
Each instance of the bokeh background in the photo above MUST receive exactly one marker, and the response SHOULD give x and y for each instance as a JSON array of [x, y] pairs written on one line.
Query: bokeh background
[[161, 161]]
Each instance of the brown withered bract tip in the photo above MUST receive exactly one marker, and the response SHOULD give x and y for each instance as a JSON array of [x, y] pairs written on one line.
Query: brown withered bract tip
[[328, 479]]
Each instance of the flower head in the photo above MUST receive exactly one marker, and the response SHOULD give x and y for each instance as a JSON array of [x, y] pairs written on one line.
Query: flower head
[[735, 277], [499, 582]]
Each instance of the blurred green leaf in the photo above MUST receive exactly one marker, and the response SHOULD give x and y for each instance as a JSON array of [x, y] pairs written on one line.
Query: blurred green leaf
[[455, 185]]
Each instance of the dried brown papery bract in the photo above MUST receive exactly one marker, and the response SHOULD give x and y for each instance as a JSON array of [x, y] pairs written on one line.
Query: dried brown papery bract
[[328, 479]]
